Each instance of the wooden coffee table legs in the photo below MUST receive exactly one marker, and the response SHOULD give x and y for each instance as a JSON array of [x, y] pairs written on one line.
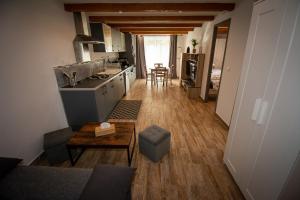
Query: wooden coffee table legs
[[82, 148], [74, 160], [130, 155]]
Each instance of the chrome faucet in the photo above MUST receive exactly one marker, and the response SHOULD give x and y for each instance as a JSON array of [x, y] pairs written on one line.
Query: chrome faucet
[[72, 76], [73, 79]]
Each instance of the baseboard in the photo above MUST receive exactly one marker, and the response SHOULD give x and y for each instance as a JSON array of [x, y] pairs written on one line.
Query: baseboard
[[232, 177], [36, 157], [222, 121], [202, 100]]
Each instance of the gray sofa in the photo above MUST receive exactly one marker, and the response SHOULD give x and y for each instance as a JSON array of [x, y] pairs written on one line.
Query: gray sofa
[[48, 183]]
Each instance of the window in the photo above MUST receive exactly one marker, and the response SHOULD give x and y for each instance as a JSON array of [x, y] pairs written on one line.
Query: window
[[157, 49]]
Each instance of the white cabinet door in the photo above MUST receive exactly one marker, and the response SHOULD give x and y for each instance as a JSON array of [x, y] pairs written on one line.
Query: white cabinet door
[[247, 152], [278, 141], [123, 47], [115, 40], [107, 37]]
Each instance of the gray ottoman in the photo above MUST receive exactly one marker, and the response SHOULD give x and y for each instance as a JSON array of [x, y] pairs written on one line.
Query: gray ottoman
[[55, 145], [154, 142]]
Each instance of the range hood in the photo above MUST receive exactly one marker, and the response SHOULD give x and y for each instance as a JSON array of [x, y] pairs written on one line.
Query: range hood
[[82, 39], [86, 39]]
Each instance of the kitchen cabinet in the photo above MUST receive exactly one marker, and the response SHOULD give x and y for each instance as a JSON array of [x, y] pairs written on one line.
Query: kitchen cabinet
[[112, 94], [101, 96], [114, 40], [82, 106], [109, 95], [130, 76], [118, 41], [101, 32], [120, 88], [264, 140], [107, 37], [123, 46]]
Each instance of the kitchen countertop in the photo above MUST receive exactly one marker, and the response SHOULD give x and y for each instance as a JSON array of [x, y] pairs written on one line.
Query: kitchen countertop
[[93, 84]]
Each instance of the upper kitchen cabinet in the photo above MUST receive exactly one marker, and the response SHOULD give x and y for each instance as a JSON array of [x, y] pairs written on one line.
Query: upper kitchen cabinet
[[118, 41], [123, 47], [114, 40], [102, 32]]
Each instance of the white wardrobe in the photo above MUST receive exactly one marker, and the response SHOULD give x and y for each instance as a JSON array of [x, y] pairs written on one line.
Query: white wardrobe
[[264, 135]]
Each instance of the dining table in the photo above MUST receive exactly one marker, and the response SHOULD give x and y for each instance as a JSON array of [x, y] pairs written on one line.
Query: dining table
[[154, 72]]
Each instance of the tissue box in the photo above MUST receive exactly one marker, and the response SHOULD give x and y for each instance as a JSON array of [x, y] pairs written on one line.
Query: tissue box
[[104, 131]]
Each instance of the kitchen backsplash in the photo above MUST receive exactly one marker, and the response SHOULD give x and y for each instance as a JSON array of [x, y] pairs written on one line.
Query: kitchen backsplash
[[102, 55]]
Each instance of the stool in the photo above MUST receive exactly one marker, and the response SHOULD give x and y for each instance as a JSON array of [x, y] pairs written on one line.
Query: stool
[[55, 145], [154, 142]]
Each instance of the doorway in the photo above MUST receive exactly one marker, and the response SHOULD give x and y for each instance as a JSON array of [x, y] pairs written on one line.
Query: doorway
[[217, 55]]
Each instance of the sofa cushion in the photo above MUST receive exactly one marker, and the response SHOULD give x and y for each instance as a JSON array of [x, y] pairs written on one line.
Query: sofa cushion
[[109, 182], [7, 164]]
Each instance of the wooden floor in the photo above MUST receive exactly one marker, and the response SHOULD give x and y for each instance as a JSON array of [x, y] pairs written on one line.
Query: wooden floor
[[194, 168]]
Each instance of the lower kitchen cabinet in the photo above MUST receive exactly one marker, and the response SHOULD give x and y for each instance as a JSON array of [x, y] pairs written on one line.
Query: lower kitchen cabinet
[[119, 86], [93, 105], [112, 97], [80, 107], [101, 97], [130, 76]]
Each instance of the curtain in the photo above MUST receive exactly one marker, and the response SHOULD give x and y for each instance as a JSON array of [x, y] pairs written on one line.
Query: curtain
[[140, 57], [157, 50], [173, 55]]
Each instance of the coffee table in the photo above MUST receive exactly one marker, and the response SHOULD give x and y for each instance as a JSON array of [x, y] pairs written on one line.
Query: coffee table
[[85, 138]]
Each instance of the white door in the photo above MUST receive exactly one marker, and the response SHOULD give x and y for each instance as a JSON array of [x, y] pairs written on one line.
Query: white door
[[249, 152]]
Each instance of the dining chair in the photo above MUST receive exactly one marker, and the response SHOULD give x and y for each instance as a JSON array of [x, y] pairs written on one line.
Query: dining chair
[[158, 65], [149, 76], [162, 74]]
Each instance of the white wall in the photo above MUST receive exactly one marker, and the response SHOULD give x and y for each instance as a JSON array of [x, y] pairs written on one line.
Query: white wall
[[183, 41], [35, 37], [196, 34], [181, 48], [238, 32], [237, 39]]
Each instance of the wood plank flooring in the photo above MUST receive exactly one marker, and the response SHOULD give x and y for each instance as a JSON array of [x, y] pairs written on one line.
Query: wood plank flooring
[[194, 168]]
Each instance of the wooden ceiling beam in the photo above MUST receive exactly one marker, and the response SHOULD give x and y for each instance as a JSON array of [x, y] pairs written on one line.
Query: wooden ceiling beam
[[147, 7], [223, 30], [153, 25], [159, 33], [155, 29], [149, 18]]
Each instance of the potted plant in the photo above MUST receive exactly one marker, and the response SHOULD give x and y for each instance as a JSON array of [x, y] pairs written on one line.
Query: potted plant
[[194, 43]]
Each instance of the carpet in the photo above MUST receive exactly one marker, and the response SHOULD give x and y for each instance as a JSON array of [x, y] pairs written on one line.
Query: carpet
[[126, 110]]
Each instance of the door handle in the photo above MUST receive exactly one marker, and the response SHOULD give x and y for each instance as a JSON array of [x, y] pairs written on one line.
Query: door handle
[[256, 109], [263, 111]]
